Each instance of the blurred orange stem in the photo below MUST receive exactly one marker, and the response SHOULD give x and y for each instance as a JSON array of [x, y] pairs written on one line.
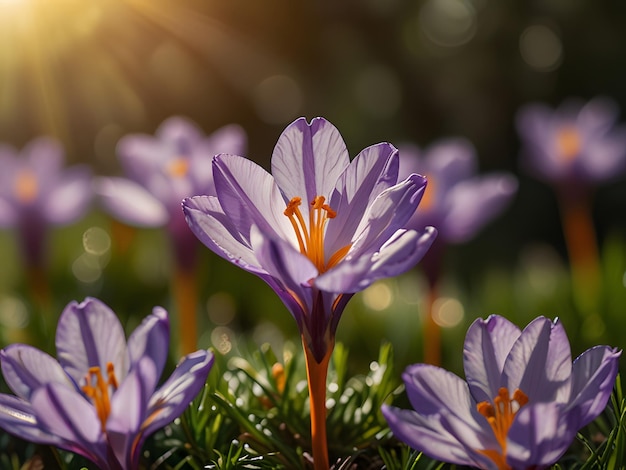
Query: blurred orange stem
[[580, 238], [38, 282], [185, 297], [41, 325], [316, 373], [432, 331], [123, 236]]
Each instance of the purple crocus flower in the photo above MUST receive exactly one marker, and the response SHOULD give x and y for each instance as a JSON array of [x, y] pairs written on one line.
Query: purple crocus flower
[[36, 192], [457, 201], [522, 404], [317, 230], [100, 398], [163, 169], [576, 144], [574, 148]]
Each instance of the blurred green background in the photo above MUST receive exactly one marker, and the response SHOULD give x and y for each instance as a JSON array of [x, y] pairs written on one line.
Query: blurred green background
[[89, 72]]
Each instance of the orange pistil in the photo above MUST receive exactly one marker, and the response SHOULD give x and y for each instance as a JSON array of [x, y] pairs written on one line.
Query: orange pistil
[[568, 143], [97, 389], [500, 417], [179, 167], [311, 236], [26, 186]]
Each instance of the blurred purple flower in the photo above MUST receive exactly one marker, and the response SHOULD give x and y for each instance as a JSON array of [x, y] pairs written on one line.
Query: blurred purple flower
[[457, 201], [578, 143], [99, 399], [36, 192], [523, 402], [317, 230], [163, 169]]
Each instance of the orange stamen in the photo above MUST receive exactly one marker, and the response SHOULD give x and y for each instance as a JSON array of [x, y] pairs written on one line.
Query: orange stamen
[[97, 389], [500, 416], [311, 236], [568, 143], [26, 186], [178, 167]]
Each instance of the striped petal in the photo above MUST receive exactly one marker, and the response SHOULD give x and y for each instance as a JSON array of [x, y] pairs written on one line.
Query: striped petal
[[25, 369], [89, 334], [308, 159]]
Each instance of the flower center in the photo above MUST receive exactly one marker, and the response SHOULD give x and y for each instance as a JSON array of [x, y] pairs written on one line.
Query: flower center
[[26, 187], [97, 389], [311, 236], [178, 168], [428, 198], [568, 143], [500, 417]]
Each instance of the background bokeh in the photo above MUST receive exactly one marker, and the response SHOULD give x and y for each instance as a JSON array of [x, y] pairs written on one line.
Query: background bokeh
[[89, 72]]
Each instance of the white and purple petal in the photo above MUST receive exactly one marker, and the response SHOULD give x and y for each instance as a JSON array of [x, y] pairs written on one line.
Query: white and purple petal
[[69, 416], [141, 156], [44, 156], [539, 436], [432, 389], [373, 171], [230, 139], [148, 338], [487, 345], [18, 418], [129, 409], [89, 334], [593, 378], [171, 399], [214, 228], [8, 213], [130, 202], [470, 204], [605, 156], [26, 368], [426, 434], [401, 252], [70, 198], [540, 361], [249, 196], [308, 159], [389, 212], [449, 161], [179, 134], [292, 270]]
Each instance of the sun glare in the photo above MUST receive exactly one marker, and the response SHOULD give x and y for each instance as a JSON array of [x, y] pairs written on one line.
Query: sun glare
[[70, 68]]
